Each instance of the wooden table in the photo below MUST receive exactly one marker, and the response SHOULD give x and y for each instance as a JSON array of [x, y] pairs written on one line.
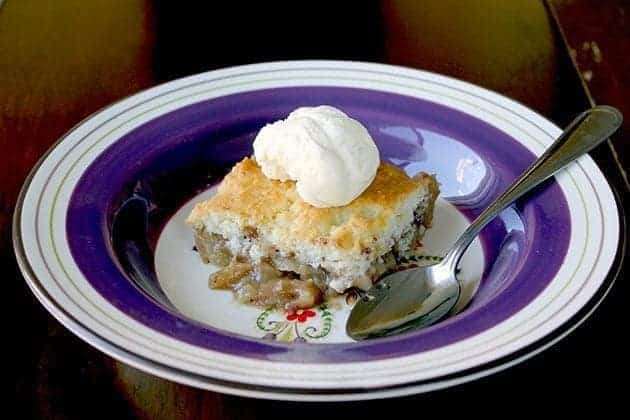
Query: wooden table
[[62, 60]]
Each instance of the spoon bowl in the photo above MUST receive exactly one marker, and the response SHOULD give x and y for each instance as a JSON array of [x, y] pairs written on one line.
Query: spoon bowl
[[405, 300]]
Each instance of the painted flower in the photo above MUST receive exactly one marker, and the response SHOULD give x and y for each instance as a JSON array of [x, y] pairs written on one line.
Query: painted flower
[[301, 315]]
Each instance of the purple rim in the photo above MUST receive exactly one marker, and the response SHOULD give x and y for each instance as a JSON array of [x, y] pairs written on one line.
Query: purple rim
[[220, 131]]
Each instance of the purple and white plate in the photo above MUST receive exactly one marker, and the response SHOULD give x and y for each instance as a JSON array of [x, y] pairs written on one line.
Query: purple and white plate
[[100, 237]]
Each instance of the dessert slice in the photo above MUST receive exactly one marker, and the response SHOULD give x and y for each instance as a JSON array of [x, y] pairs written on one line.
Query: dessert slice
[[276, 249]]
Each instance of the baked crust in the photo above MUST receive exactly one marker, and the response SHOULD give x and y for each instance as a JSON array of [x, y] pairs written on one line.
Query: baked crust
[[254, 202]]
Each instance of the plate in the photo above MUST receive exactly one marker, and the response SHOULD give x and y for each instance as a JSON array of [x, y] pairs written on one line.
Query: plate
[[100, 238]]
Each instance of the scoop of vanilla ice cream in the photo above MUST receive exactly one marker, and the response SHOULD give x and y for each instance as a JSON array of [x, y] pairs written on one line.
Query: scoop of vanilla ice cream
[[331, 156]]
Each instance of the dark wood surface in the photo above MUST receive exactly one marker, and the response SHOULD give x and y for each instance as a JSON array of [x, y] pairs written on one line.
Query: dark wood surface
[[62, 60]]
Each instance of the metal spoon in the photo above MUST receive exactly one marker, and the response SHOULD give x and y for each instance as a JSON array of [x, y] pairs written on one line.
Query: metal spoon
[[418, 297]]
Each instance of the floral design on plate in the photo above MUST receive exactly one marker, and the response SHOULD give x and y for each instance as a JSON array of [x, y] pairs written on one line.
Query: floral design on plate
[[300, 325]]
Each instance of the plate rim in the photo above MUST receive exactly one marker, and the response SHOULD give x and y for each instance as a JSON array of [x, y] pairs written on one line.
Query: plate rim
[[293, 394], [119, 352]]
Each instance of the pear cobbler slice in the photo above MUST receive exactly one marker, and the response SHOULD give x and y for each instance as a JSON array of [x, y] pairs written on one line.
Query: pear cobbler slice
[[275, 249]]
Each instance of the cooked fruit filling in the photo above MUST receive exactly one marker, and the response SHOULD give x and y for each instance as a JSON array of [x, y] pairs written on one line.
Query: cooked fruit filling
[[261, 283]]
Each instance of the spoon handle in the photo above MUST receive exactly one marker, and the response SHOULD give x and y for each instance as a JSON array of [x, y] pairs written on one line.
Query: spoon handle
[[586, 131]]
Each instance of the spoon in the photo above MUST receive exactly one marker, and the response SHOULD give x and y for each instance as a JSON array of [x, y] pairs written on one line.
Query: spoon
[[418, 297]]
